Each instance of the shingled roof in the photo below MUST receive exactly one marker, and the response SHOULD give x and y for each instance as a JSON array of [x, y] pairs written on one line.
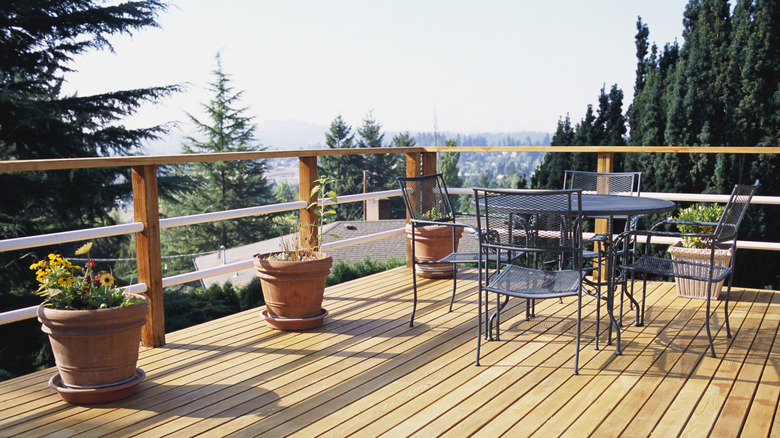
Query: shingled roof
[[376, 250]]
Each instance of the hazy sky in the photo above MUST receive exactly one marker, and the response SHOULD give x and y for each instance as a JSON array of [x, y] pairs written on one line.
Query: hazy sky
[[479, 66]]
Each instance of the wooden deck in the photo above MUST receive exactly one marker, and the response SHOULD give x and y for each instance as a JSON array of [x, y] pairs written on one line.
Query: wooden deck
[[366, 373]]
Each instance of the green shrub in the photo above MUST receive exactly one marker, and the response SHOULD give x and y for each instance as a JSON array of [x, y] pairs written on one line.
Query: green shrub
[[344, 271], [698, 213]]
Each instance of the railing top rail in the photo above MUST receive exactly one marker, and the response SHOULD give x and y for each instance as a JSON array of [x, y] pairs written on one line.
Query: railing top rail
[[147, 160], [616, 149], [144, 160]]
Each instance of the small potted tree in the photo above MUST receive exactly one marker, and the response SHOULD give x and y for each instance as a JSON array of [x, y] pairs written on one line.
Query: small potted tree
[[293, 280], [697, 250], [94, 329]]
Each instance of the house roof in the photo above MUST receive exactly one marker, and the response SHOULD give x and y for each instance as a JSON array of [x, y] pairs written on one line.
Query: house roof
[[379, 250]]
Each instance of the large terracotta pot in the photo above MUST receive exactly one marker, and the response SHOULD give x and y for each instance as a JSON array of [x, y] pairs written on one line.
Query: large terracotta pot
[[293, 289], [95, 348], [688, 288], [433, 242]]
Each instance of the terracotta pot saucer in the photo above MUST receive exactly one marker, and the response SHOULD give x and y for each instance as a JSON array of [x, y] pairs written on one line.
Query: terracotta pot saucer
[[86, 396], [293, 324]]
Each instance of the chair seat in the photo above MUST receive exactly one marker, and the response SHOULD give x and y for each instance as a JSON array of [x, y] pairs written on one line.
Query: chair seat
[[521, 282], [678, 268], [467, 257]]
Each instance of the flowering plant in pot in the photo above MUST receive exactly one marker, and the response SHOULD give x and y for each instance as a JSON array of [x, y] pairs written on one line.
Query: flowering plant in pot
[[293, 279], [697, 249], [94, 329]]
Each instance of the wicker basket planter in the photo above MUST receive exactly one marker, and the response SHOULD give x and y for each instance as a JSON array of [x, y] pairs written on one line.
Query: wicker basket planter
[[688, 288]]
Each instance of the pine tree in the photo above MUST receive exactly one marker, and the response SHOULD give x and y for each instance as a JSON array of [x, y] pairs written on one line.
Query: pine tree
[[345, 171], [221, 185], [383, 169], [39, 42]]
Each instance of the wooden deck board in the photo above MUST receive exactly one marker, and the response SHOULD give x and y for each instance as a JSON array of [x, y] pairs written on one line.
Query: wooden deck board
[[367, 373]]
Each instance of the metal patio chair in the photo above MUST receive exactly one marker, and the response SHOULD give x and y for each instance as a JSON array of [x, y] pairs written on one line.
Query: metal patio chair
[[605, 183], [724, 236], [546, 226], [428, 203]]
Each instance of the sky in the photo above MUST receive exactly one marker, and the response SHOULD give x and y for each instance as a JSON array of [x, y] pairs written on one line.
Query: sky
[[462, 66]]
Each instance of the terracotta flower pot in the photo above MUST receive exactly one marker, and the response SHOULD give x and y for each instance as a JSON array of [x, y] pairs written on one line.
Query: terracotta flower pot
[[688, 288], [95, 348], [434, 243], [293, 289]]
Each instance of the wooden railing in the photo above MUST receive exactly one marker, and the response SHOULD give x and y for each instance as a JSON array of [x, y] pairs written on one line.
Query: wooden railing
[[146, 225]]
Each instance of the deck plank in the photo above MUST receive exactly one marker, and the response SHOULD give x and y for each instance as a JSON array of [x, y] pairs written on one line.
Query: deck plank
[[367, 373]]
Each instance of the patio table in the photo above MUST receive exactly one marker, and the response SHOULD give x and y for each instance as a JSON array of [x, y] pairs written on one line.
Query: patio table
[[611, 207]]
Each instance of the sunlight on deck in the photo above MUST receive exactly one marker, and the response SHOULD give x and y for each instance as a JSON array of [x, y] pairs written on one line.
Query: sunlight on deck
[[366, 372]]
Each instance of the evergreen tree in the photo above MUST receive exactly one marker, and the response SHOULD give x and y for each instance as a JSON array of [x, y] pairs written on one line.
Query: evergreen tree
[[221, 185], [39, 41], [448, 166], [606, 127], [549, 174], [345, 171], [383, 169]]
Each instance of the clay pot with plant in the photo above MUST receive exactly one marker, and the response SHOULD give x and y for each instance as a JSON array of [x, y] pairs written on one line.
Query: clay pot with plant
[[697, 249], [293, 279], [434, 242], [94, 329]]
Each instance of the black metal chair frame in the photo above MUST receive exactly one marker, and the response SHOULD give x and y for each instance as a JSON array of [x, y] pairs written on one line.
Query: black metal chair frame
[[605, 183], [723, 236], [433, 208], [539, 224]]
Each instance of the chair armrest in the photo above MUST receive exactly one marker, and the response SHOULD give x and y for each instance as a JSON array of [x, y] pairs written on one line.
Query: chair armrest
[[679, 222]]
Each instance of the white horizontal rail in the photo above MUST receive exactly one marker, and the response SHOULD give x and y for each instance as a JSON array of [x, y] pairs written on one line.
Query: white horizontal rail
[[681, 197], [230, 214], [344, 199], [705, 197], [69, 236]]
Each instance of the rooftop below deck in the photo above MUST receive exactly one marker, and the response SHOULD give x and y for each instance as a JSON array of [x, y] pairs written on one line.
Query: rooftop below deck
[[366, 372]]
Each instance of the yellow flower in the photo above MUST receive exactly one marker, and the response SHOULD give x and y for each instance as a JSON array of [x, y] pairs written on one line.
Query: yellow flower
[[84, 248], [106, 279], [65, 281], [37, 265]]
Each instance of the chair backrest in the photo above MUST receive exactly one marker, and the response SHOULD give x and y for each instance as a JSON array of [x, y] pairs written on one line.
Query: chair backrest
[[529, 221], [426, 198], [732, 216], [613, 183]]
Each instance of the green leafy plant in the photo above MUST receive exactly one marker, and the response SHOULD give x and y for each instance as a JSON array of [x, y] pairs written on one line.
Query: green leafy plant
[[292, 248], [67, 286], [698, 213]]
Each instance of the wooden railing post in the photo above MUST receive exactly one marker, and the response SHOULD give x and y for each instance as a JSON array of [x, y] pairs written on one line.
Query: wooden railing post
[[147, 249], [428, 163], [604, 164], [307, 175]]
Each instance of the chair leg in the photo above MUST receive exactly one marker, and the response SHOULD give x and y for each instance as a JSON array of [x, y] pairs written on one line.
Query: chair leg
[[414, 287], [479, 319], [726, 306], [454, 284], [598, 315], [707, 320], [579, 330]]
